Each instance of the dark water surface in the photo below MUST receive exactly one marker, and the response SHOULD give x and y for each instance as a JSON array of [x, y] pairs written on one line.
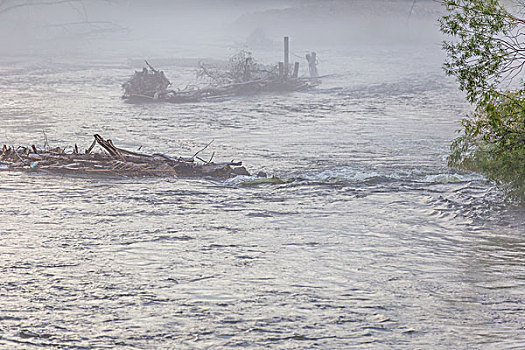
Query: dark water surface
[[372, 243]]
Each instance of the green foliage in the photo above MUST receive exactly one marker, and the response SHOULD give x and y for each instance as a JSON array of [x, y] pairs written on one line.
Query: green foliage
[[477, 56], [486, 49], [493, 143]]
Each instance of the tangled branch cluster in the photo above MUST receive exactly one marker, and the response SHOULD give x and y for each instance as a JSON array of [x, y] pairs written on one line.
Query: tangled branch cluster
[[242, 67]]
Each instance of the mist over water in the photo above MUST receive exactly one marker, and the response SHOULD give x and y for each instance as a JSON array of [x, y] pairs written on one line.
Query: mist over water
[[368, 240]]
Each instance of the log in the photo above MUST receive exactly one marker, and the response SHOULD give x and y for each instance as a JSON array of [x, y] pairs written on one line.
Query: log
[[150, 67], [286, 56], [312, 64], [295, 70]]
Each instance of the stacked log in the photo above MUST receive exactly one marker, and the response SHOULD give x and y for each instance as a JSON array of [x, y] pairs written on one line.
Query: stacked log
[[114, 161]]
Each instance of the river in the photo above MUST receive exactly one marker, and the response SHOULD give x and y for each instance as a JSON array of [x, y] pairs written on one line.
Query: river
[[370, 240]]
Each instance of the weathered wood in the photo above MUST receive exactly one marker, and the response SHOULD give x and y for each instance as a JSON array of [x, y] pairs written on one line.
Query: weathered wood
[[115, 163], [295, 70], [312, 64], [286, 56], [106, 145], [150, 67], [88, 151]]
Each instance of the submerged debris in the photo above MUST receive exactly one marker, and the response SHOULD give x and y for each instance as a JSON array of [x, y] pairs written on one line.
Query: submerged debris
[[114, 161]]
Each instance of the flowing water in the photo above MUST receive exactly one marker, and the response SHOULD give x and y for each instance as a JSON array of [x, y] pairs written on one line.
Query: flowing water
[[370, 241]]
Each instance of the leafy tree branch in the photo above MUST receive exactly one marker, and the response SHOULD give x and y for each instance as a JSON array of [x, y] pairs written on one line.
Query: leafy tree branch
[[486, 50]]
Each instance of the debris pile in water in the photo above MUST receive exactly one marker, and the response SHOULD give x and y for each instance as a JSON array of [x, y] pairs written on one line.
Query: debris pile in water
[[114, 161], [149, 83], [243, 76]]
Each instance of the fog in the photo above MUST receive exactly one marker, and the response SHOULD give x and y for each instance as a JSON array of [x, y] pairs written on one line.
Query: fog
[[187, 28], [356, 234]]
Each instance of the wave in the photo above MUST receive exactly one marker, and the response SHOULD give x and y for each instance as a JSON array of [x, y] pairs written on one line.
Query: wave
[[355, 175], [351, 176]]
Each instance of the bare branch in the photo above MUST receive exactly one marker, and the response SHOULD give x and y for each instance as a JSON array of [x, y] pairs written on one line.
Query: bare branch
[[10, 7]]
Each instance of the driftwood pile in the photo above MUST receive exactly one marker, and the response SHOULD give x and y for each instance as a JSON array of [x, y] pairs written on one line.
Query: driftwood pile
[[148, 83], [113, 161], [243, 76]]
